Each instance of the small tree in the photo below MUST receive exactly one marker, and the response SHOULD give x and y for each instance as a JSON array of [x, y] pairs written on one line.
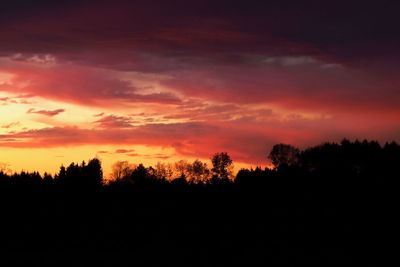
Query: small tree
[[198, 172], [5, 168], [284, 155], [61, 176], [121, 170], [222, 166], [93, 172], [182, 168], [139, 175], [164, 171]]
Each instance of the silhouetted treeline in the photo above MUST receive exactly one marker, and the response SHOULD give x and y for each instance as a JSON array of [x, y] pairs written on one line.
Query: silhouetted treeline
[[334, 203], [367, 159], [338, 163], [75, 175]]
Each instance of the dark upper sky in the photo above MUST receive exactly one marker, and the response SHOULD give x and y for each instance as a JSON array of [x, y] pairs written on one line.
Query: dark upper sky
[[345, 31]]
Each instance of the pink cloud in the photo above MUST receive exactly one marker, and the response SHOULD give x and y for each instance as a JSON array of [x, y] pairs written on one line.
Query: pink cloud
[[123, 151], [81, 85], [15, 100]]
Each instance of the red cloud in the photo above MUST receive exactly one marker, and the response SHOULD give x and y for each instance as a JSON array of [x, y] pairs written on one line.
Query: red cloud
[[50, 113], [82, 85], [246, 68], [123, 151], [311, 87], [133, 155]]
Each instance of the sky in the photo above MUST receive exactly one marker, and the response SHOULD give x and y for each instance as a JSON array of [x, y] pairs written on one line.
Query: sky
[[149, 81]]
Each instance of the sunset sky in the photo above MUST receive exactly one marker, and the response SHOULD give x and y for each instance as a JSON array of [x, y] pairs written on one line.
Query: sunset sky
[[149, 81]]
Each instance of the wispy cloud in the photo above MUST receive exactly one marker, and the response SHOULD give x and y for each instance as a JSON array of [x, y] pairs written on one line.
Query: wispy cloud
[[10, 125]]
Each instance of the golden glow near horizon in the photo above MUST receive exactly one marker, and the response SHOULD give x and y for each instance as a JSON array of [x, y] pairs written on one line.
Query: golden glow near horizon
[[50, 159], [23, 112], [14, 118]]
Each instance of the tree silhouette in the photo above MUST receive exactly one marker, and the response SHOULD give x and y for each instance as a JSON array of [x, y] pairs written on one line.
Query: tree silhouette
[[283, 155], [121, 170], [84, 175], [164, 171], [182, 167], [61, 175], [5, 168], [139, 175], [222, 166], [198, 172], [93, 172]]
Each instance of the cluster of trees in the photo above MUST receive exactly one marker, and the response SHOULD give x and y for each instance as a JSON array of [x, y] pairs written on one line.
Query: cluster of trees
[[350, 158], [196, 172], [83, 175], [90, 174]]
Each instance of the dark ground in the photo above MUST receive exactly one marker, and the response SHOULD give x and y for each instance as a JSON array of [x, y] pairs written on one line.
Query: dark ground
[[222, 225]]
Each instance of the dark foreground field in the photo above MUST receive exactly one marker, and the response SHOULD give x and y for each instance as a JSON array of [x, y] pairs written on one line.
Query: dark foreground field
[[333, 204], [280, 223]]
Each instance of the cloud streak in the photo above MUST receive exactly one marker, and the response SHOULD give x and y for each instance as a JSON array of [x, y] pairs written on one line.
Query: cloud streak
[[50, 113], [113, 121], [246, 141]]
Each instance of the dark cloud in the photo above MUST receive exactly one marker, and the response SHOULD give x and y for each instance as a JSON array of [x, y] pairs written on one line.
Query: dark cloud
[[247, 51], [179, 32]]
